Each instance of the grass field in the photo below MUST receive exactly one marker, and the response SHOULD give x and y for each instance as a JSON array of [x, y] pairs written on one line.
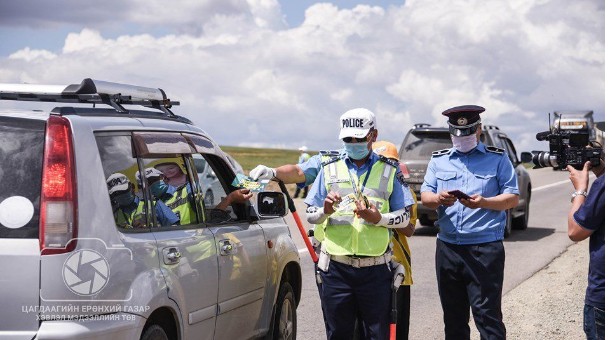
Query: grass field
[[251, 157]]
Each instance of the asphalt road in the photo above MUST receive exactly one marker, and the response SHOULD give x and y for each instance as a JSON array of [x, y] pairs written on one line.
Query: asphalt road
[[526, 253]]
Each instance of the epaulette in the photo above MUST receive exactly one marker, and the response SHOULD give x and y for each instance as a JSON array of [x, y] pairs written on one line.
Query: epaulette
[[390, 161], [438, 153], [330, 153], [494, 149], [329, 161]]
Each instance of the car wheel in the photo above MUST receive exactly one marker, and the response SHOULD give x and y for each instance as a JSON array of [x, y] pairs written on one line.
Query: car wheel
[[154, 332], [509, 223], [522, 221], [285, 317], [208, 199]]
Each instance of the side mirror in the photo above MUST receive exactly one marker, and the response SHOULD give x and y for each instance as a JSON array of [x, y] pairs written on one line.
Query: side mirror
[[526, 157], [271, 204]]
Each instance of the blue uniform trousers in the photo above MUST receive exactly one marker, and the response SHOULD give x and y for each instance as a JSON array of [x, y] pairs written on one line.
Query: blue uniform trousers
[[471, 276], [348, 293]]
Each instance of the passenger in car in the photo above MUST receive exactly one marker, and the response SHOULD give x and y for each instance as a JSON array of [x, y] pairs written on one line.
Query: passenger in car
[[174, 175], [128, 209]]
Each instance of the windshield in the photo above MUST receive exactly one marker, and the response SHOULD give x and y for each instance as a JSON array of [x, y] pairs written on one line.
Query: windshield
[[420, 145]]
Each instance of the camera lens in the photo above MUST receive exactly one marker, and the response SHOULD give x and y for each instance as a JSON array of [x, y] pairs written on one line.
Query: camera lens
[[543, 159]]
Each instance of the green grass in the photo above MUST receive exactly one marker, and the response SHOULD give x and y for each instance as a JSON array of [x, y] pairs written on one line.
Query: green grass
[[251, 157]]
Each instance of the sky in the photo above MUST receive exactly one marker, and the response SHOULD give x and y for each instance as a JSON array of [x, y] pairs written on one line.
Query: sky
[[280, 73]]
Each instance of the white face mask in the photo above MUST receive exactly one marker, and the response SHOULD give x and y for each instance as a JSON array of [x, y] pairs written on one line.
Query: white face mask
[[464, 143]]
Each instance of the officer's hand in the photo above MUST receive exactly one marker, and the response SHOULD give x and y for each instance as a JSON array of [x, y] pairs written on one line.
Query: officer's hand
[[371, 214], [474, 203], [262, 172], [446, 199], [331, 199]]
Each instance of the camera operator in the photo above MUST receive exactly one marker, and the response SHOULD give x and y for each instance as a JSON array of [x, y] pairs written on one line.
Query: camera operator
[[586, 220]]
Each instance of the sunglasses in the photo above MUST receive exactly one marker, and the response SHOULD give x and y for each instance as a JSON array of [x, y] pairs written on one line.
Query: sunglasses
[[357, 140]]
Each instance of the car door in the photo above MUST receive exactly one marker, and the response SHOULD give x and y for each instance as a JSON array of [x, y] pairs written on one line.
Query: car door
[[187, 253], [242, 260]]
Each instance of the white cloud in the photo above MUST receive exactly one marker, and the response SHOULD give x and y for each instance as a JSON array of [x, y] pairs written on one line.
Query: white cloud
[[247, 79]]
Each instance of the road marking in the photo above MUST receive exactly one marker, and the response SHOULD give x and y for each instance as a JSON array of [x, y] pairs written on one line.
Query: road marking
[[558, 183]]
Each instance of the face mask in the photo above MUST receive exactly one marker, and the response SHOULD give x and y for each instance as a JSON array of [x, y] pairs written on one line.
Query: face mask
[[158, 188], [124, 200], [356, 151], [464, 143]]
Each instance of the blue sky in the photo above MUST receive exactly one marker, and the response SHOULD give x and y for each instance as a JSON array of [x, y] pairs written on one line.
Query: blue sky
[[282, 72]]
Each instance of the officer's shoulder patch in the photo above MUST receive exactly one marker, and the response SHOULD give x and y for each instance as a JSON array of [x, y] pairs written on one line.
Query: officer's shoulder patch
[[331, 160], [438, 153], [390, 161], [494, 149], [402, 179]]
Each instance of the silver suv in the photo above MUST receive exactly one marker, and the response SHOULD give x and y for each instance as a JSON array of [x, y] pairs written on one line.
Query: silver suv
[[416, 151], [90, 249]]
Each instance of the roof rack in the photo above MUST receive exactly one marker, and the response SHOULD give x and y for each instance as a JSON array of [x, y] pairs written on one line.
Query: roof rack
[[490, 127], [420, 125], [92, 92]]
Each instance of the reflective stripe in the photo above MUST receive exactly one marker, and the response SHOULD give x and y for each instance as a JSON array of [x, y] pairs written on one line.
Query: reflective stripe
[[180, 204]]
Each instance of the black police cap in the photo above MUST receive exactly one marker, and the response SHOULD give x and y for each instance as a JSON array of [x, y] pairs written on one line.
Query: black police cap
[[463, 119]]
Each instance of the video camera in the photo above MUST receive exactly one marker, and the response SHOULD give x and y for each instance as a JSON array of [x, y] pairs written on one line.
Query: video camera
[[566, 147]]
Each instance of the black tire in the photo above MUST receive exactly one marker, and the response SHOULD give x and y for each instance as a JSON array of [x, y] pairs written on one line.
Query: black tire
[[154, 332], [425, 221], [285, 316], [509, 223], [520, 223], [208, 199]]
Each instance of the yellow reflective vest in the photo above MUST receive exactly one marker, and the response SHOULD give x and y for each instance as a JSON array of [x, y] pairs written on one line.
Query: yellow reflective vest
[[180, 204], [135, 218], [343, 233]]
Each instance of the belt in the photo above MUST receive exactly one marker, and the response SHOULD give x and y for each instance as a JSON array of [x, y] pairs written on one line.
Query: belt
[[360, 262]]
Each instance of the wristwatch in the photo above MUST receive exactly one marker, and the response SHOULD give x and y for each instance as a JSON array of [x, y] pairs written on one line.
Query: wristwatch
[[578, 192]]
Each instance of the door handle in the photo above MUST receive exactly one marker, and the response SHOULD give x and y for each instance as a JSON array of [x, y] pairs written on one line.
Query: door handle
[[172, 255], [226, 247]]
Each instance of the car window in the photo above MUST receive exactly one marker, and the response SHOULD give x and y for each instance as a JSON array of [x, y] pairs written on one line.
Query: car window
[[419, 146], [172, 185], [120, 169], [507, 145], [21, 151]]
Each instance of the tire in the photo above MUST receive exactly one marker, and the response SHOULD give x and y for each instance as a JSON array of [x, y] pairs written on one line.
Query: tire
[[520, 223], [425, 221], [509, 223], [284, 323], [154, 332], [208, 199]]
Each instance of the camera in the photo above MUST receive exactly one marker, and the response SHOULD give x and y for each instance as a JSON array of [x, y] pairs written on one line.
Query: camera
[[566, 148]]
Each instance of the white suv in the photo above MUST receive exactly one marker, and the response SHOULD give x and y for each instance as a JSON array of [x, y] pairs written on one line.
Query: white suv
[[74, 268]]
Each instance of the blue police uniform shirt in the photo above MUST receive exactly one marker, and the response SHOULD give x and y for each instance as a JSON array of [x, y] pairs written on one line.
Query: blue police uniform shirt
[[313, 165], [591, 216], [399, 198], [479, 171]]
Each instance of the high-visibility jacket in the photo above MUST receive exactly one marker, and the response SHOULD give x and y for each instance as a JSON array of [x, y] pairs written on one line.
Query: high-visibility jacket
[[343, 233], [180, 204], [136, 217]]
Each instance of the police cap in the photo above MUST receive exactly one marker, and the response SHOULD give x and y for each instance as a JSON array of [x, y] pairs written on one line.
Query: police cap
[[463, 120]]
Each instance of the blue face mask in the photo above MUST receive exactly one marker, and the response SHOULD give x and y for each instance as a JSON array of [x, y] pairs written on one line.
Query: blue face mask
[[125, 199], [158, 188], [357, 151]]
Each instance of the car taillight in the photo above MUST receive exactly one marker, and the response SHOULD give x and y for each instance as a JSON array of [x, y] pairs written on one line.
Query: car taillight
[[404, 170], [58, 225]]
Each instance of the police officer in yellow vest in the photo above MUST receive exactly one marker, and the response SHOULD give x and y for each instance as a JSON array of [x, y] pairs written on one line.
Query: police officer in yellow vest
[[128, 208], [355, 201]]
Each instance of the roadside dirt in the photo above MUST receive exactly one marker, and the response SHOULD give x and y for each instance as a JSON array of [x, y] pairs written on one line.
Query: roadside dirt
[[549, 304]]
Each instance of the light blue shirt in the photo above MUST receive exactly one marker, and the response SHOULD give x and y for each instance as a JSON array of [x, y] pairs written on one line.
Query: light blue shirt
[[482, 172], [313, 165], [400, 197]]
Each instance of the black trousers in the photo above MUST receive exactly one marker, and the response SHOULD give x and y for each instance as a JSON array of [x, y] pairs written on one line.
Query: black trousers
[[403, 315], [471, 276]]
